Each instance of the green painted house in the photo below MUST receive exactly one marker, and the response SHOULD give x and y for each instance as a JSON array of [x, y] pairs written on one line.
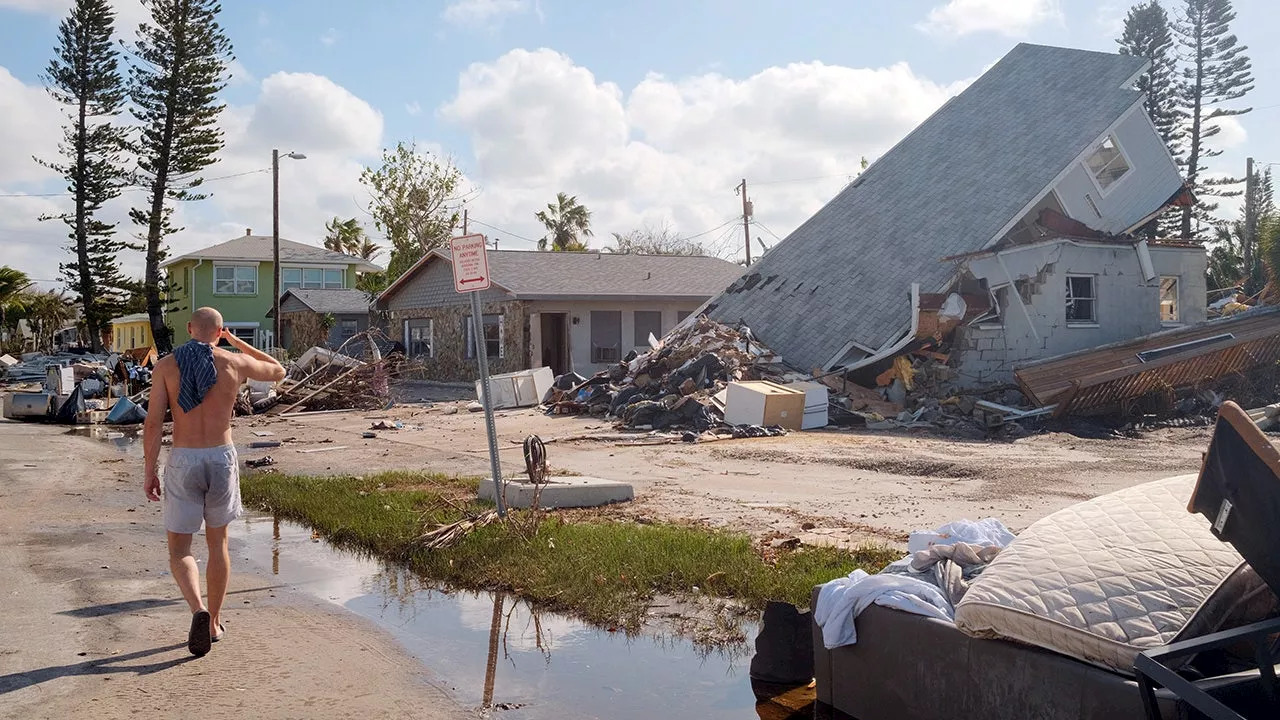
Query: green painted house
[[236, 276]]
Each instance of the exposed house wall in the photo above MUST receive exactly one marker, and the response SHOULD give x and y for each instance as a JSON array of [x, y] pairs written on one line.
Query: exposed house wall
[[448, 361], [1152, 178], [1127, 304], [580, 331]]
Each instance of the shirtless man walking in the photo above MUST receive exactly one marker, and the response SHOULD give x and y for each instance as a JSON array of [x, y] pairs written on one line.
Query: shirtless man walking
[[199, 383]]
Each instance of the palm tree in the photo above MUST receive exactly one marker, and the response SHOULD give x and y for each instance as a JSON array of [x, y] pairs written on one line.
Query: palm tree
[[13, 283], [565, 220], [47, 312], [347, 236]]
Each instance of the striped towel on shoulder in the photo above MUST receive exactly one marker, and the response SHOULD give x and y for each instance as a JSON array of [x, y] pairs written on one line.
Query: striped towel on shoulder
[[196, 373]]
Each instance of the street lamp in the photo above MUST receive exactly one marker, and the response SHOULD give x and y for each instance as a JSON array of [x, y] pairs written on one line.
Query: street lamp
[[275, 241]]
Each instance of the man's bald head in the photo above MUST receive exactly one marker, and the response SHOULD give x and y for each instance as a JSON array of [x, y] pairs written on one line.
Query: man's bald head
[[205, 325]]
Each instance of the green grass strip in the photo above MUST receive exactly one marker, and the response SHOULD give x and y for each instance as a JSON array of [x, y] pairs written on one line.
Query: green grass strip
[[604, 570]]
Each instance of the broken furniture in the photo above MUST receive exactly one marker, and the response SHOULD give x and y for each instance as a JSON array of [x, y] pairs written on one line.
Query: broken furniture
[[1112, 377], [524, 388], [1238, 493], [1051, 629]]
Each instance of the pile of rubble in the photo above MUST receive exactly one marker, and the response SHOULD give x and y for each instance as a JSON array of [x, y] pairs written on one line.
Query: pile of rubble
[[324, 379], [76, 387], [673, 384]]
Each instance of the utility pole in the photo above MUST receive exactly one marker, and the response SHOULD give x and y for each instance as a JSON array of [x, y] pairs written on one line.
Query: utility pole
[[1250, 220], [275, 247], [464, 221], [746, 217]]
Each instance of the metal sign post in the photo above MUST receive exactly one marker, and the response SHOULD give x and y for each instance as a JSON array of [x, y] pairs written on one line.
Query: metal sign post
[[471, 275]]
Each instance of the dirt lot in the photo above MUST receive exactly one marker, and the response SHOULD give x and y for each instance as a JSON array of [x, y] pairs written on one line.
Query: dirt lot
[[851, 485]]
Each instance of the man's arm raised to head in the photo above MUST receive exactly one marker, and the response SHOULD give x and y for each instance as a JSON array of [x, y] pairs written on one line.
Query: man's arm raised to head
[[256, 364], [153, 428]]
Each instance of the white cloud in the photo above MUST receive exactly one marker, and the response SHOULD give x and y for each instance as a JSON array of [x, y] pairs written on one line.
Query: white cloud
[[485, 12], [1110, 17], [413, 108], [1231, 133], [671, 151], [129, 13], [1007, 17], [337, 131], [329, 37], [239, 74]]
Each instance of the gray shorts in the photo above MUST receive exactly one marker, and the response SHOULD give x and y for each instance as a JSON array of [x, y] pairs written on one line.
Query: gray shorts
[[201, 484]]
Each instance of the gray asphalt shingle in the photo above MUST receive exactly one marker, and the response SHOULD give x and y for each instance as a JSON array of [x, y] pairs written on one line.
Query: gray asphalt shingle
[[345, 301], [947, 188]]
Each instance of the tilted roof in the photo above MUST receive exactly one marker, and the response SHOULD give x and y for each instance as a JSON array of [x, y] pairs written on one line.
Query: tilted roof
[[948, 188]]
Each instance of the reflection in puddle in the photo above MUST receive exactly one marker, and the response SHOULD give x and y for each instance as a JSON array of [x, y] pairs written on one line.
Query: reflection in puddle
[[495, 652], [126, 438]]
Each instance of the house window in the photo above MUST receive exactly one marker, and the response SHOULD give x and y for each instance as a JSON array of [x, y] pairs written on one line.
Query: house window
[[348, 328], [418, 338], [310, 278], [1107, 163], [1168, 299], [682, 314], [133, 337], [494, 336], [648, 322], [1082, 300], [235, 280], [606, 336], [247, 333]]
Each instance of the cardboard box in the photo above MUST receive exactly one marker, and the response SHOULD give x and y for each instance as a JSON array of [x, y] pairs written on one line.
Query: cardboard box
[[764, 403]]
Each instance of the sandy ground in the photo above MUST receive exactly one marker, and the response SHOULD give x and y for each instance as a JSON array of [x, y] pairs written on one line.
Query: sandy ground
[[847, 485], [91, 624]]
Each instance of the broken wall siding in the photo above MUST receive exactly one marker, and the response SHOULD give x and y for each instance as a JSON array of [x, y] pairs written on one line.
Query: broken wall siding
[[1151, 179], [449, 361], [1127, 304]]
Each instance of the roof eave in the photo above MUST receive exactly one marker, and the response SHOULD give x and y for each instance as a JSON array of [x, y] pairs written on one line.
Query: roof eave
[[620, 297]]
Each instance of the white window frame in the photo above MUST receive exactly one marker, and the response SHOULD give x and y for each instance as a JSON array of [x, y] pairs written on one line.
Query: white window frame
[[234, 279], [1177, 300], [302, 275], [1093, 284], [342, 325], [431, 338], [470, 350], [1104, 191], [255, 327]]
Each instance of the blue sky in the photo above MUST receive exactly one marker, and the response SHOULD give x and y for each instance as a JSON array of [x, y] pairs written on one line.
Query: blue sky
[[650, 111]]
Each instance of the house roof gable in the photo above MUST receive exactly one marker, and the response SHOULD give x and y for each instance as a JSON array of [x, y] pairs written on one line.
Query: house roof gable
[[528, 275], [946, 189], [257, 248], [347, 301]]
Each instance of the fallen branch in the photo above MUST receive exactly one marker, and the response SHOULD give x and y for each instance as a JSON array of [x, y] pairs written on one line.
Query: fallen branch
[[448, 535]]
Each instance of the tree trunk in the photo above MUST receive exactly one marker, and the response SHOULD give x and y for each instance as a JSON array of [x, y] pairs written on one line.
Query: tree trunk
[[1197, 107], [88, 297]]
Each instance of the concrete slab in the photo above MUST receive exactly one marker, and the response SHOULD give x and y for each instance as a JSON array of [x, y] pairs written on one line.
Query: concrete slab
[[562, 492]]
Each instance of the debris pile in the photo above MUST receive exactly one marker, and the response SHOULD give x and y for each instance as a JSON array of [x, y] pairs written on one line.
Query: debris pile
[[325, 379], [76, 387], [671, 385]]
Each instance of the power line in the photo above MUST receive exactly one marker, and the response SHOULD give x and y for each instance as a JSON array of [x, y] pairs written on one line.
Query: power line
[[708, 232], [505, 232], [766, 229], [804, 179], [133, 189]]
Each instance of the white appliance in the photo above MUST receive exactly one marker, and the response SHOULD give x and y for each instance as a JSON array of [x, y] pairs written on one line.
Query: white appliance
[[816, 399], [524, 388]]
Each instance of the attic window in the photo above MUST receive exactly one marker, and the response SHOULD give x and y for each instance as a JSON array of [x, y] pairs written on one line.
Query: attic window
[[1107, 163]]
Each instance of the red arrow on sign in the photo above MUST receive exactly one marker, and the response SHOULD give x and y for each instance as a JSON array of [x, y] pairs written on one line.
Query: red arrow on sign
[[471, 280]]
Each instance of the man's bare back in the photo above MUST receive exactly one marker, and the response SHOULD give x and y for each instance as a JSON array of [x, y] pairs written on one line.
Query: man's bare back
[[202, 480]]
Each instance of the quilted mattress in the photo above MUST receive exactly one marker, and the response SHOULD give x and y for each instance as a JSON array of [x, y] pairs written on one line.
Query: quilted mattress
[[1105, 579]]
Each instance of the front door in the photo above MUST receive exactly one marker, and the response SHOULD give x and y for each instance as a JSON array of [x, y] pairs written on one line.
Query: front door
[[555, 342]]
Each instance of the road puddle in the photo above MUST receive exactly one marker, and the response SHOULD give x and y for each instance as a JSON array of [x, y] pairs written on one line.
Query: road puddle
[[126, 438], [498, 654]]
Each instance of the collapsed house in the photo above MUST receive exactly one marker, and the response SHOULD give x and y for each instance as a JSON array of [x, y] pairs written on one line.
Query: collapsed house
[[1006, 228]]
